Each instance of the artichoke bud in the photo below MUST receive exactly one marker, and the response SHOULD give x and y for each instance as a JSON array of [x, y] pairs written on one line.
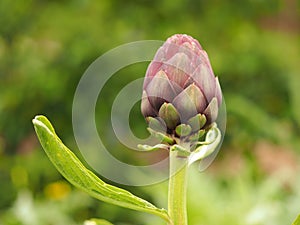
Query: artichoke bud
[[181, 95]]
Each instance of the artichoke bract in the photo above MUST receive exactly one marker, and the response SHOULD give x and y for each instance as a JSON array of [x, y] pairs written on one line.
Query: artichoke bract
[[181, 95]]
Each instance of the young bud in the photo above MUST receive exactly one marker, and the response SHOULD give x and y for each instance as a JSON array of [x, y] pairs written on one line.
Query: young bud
[[180, 87]]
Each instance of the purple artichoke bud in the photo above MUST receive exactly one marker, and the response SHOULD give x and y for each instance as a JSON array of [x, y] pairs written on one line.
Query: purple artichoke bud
[[180, 87]]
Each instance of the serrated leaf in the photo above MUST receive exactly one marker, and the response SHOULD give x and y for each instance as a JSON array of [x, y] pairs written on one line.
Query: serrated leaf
[[97, 222], [77, 174], [297, 221]]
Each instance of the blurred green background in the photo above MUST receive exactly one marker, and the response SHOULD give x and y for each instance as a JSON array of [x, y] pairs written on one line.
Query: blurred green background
[[254, 48]]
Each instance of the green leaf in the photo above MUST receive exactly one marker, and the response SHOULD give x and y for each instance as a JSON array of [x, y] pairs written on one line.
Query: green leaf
[[153, 148], [77, 174], [297, 221], [96, 222], [211, 143]]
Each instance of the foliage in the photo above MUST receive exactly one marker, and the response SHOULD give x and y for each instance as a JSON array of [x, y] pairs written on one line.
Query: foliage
[[297, 221], [78, 175]]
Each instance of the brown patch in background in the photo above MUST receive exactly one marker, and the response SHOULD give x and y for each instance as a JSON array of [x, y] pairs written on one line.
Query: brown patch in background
[[287, 19], [272, 158], [230, 164], [28, 144]]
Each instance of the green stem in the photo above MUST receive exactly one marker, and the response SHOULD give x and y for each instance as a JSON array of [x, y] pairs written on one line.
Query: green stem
[[177, 189]]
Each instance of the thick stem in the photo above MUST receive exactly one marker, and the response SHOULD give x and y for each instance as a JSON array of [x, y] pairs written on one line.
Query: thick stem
[[177, 189]]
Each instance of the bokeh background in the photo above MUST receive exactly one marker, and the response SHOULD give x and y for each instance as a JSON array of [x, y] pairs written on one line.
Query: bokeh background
[[254, 48]]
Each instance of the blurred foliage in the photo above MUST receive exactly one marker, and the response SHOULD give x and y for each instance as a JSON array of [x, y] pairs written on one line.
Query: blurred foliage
[[254, 48]]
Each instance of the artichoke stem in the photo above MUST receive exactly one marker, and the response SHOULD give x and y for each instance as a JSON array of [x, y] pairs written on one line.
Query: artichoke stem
[[177, 189]]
